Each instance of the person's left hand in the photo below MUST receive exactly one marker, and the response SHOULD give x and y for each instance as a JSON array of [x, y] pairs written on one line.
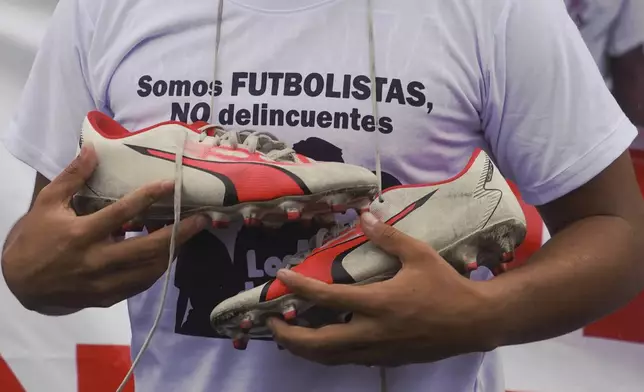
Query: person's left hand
[[427, 312]]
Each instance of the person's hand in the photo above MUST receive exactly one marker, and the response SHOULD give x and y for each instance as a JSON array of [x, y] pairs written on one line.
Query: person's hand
[[427, 312], [55, 259]]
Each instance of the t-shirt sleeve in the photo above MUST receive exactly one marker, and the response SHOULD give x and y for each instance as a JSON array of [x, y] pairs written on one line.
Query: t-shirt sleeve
[[550, 121], [628, 28], [44, 131]]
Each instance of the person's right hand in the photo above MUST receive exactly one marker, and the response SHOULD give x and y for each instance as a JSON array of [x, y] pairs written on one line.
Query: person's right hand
[[56, 259]]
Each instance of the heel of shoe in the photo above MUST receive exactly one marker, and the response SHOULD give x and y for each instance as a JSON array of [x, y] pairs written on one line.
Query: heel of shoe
[[488, 248]]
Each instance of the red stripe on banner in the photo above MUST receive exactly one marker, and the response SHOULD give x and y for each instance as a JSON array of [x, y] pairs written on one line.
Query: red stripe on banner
[[8, 381], [101, 368], [627, 324]]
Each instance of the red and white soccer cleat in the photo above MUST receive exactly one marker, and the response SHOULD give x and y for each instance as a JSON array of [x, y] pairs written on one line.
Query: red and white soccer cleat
[[472, 219], [228, 175]]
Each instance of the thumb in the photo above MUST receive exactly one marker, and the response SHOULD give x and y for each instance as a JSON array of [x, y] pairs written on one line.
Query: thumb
[[390, 239], [72, 179]]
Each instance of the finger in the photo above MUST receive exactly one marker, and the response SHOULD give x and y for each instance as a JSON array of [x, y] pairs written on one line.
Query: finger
[[72, 179], [328, 341], [364, 299], [114, 216], [153, 246], [393, 241]]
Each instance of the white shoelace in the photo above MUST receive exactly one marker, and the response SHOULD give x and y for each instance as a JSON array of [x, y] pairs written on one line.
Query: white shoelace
[[178, 190], [374, 107], [252, 140], [374, 98], [322, 237]]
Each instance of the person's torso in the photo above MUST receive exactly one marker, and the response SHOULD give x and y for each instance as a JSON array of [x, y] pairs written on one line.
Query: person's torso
[[299, 69]]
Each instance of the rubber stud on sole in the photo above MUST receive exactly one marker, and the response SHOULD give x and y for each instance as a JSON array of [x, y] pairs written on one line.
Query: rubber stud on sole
[[289, 313], [293, 214], [220, 224], [241, 343], [246, 325], [252, 222]]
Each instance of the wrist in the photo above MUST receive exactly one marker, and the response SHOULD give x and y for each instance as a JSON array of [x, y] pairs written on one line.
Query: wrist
[[489, 315]]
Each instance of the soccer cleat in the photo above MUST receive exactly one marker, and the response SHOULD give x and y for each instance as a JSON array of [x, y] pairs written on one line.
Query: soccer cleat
[[472, 220], [246, 175]]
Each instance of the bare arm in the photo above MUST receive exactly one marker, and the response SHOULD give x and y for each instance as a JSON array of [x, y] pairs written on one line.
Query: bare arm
[[427, 312], [591, 266], [56, 262]]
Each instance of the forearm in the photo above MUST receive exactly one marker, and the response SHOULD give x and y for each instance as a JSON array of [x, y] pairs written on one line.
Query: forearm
[[584, 272]]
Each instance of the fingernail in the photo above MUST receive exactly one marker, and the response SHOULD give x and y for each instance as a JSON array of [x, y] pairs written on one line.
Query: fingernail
[[369, 219]]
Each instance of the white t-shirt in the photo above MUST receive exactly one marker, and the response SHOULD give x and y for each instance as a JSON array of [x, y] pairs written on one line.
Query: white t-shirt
[[511, 76], [610, 28]]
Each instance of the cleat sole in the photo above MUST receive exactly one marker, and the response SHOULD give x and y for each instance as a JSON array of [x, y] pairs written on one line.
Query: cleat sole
[[286, 209]]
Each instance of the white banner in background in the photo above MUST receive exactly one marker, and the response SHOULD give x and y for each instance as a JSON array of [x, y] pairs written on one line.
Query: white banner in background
[[88, 352]]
